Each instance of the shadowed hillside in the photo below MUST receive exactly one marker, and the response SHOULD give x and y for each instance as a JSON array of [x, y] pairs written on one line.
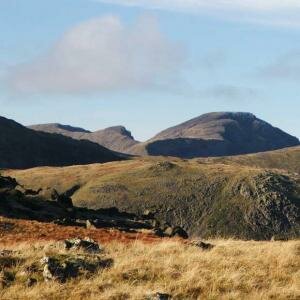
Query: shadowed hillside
[[204, 197], [116, 138], [21, 147], [210, 135], [217, 134]]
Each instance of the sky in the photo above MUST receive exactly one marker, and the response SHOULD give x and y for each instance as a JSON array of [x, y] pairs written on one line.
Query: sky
[[149, 65]]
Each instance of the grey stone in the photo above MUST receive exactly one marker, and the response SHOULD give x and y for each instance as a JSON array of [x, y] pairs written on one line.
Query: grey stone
[[86, 244], [202, 245]]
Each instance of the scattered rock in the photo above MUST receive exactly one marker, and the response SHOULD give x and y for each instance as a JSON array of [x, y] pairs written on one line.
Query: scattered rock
[[163, 166], [30, 192], [147, 214], [5, 279], [279, 238], [176, 231], [52, 269], [202, 245], [30, 282], [89, 225], [159, 296], [86, 244], [168, 231], [159, 232], [7, 183], [180, 232], [61, 268], [5, 253], [63, 199], [67, 222]]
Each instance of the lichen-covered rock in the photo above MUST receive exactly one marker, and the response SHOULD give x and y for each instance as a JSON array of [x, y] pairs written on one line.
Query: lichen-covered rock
[[86, 244], [63, 267]]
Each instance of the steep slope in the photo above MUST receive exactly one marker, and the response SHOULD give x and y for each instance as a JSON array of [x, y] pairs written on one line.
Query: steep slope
[[204, 197], [116, 138], [217, 134], [21, 147]]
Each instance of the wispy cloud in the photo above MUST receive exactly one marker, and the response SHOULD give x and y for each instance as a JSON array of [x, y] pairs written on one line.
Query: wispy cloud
[[231, 93], [285, 67], [102, 54], [268, 12]]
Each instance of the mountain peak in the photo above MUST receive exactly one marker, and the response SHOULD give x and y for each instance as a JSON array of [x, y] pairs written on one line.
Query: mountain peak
[[217, 134], [121, 130]]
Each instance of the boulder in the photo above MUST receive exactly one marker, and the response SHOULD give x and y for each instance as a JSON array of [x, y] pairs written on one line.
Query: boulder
[[30, 282], [52, 269], [180, 232], [168, 231], [176, 231], [89, 225], [278, 237], [7, 183], [63, 267], [62, 199], [159, 296], [159, 232], [202, 245], [5, 279], [87, 245], [66, 222]]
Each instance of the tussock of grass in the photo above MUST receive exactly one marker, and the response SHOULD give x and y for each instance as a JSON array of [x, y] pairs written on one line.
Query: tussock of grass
[[231, 270]]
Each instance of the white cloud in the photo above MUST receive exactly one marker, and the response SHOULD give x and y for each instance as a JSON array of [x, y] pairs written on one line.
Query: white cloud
[[268, 12], [102, 54]]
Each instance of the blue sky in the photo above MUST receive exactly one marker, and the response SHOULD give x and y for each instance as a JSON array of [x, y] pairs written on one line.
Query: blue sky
[[148, 65]]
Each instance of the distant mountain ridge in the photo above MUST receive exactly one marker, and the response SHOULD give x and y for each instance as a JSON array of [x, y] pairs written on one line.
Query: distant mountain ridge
[[211, 134], [21, 147], [116, 138], [217, 134]]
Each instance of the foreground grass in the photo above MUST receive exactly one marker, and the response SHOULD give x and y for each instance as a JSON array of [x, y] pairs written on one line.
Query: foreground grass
[[231, 270]]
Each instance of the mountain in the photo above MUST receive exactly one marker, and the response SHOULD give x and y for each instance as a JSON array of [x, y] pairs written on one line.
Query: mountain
[[217, 134], [255, 199], [116, 138], [209, 135], [21, 147]]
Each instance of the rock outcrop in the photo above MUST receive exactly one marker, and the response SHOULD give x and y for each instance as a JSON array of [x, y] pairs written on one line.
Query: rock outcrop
[[59, 209]]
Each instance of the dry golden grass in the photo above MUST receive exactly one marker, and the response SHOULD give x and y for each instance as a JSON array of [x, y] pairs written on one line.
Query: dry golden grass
[[232, 270]]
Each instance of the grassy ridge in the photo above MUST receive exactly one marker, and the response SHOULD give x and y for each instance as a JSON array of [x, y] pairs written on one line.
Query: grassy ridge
[[286, 159], [207, 197]]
